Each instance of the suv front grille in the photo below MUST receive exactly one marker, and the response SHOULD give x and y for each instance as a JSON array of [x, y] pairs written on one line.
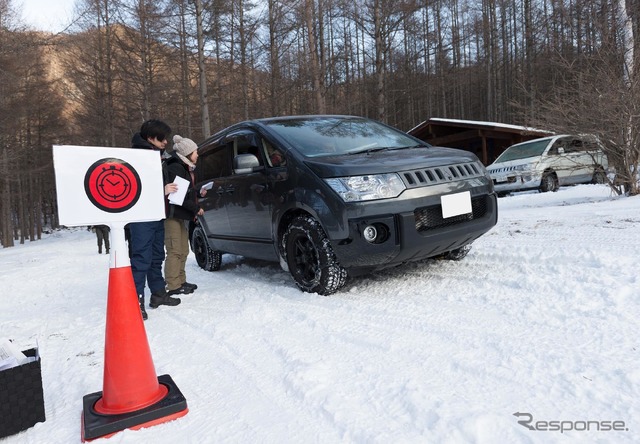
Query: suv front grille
[[429, 218], [443, 174]]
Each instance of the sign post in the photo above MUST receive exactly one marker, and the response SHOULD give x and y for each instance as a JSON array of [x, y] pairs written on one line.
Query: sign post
[[115, 186]]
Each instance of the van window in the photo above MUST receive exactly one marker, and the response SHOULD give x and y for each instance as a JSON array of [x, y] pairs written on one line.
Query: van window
[[246, 143], [274, 156], [330, 135], [560, 143], [523, 150], [214, 163], [574, 146]]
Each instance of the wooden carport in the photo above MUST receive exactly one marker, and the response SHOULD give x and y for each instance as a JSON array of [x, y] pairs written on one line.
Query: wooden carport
[[487, 140]]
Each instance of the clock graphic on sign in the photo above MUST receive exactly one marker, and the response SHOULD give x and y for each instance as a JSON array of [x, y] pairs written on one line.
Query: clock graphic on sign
[[112, 185]]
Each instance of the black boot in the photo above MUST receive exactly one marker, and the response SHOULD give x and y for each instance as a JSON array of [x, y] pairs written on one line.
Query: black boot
[[142, 309], [163, 298]]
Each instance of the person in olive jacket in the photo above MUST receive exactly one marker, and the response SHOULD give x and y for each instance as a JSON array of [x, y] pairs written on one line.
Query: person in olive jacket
[[182, 163]]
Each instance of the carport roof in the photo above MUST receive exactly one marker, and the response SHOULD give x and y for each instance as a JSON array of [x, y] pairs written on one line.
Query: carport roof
[[486, 139]]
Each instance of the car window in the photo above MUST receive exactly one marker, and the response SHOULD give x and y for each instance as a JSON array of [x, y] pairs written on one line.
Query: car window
[[591, 145], [247, 142], [523, 150], [274, 156], [555, 148], [213, 163], [574, 146], [329, 136]]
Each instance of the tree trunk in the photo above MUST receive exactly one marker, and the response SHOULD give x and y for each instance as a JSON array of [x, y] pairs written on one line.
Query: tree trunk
[[204, 99]]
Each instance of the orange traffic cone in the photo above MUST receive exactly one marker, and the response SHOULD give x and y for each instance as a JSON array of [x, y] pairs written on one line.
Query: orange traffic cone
[[133, 396], [130, 382]]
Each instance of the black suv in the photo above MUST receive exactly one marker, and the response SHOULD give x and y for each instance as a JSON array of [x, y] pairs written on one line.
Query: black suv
[[331, 195]]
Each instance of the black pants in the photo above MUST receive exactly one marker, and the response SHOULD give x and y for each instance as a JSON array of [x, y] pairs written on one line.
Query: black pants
[[102, 233]]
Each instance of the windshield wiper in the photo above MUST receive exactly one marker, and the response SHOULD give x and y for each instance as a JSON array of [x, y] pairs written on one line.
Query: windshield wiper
[[369, 150]]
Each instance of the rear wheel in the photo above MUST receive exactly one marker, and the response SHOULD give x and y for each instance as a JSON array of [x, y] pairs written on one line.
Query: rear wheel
[[206, 257], [599, 176], [310, 257], [549, 182]]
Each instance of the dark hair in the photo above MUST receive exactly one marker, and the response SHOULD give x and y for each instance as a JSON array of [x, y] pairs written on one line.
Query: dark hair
[[155, 128]]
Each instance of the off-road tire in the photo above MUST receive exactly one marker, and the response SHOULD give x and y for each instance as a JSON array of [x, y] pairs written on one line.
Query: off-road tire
[[310, 257], [206, 257]]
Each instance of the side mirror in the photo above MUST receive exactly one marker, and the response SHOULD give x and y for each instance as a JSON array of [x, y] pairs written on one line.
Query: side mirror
[[560, 150], [246, 163]]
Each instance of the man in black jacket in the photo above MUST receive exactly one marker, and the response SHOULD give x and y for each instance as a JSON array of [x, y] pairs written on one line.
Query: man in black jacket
[[146, 239]]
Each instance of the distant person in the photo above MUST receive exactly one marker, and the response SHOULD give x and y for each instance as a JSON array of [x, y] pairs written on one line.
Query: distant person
[[102, 234], [146, 239], [176, 233]]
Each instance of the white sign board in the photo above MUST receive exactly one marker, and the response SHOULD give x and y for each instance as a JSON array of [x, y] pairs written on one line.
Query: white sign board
[[102, 185]]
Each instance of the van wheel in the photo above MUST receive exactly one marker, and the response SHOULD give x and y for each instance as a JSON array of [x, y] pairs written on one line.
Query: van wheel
[[549, 182], [599, 176], [310, 258], [206, 257]]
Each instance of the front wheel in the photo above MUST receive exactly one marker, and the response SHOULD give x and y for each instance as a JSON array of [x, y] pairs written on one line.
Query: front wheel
[[310, 257], [206, 257], [549, 182]]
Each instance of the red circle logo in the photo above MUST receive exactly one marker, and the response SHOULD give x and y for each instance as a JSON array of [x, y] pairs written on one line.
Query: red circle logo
[[112, 185]]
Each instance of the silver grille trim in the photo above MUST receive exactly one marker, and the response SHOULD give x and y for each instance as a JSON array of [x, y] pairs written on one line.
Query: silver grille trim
[[503, 169], [442, 174]]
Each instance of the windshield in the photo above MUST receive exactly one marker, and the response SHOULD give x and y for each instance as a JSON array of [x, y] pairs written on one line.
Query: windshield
[[330, 136], [523, 150]]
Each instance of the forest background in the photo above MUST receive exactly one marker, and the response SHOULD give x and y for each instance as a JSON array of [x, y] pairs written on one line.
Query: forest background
[[563, 65]]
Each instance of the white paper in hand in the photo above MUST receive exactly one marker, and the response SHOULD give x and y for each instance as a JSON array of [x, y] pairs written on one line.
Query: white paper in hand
[[207, 186], [178, 197]]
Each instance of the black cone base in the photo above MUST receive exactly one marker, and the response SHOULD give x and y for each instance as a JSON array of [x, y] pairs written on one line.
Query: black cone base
[[96, 425]]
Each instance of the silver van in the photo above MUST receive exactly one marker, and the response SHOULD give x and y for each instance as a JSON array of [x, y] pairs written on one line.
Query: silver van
[[550, 162]]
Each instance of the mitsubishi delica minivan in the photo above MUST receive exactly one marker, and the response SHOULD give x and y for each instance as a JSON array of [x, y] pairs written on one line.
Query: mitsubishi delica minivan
[[332, 196], [547, 163]]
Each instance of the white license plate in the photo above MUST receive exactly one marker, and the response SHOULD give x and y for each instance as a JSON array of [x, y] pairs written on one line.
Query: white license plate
[[455, 204]]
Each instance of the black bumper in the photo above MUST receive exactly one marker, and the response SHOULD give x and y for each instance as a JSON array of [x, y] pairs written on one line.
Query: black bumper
[[415, 235]]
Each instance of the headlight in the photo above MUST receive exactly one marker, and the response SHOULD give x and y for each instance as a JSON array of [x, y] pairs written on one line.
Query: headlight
[[359, 188]]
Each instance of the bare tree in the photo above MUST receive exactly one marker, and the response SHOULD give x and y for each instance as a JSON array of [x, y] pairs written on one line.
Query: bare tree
[[313, 23]]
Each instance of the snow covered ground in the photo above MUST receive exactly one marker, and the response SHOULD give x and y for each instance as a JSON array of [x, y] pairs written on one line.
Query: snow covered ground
[[542, 318]]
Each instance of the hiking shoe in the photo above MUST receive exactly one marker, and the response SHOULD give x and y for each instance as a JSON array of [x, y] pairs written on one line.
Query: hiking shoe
[[183, 289], [164, 299], [189, 285]]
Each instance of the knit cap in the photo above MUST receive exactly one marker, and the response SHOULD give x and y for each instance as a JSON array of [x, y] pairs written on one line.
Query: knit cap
[[184, 146]]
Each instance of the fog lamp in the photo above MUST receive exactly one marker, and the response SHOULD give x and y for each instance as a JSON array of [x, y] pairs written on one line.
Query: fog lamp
[[370, 233]]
